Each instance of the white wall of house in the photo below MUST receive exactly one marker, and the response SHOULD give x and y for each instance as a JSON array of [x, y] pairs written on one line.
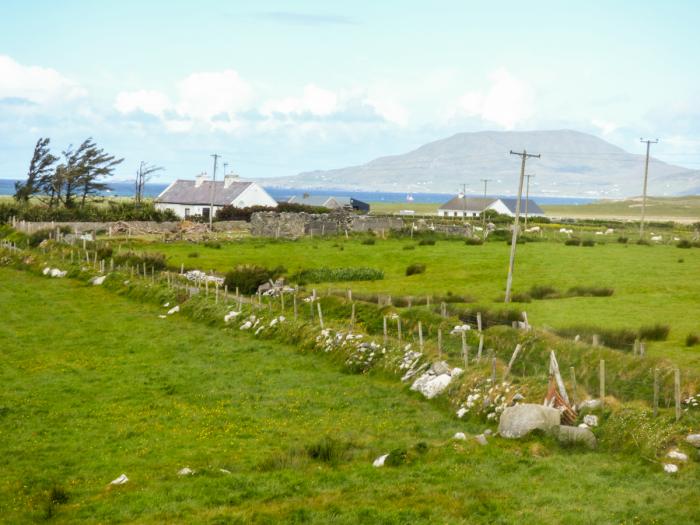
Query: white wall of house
[[499, 207], [458, 213], [254, 195], [184, 210]]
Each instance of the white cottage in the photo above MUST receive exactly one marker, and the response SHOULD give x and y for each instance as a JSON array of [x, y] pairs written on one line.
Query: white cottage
[[194, 197], [460, 206]]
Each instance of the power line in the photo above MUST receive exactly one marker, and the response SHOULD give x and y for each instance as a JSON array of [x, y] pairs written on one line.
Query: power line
[[646, 177], [509, 283]]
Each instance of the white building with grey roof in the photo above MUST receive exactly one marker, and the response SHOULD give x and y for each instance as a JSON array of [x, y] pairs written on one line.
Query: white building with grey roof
[[188, 198], [461, 206]]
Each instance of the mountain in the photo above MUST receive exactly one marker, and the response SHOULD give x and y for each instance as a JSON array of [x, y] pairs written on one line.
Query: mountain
[[571, 164]]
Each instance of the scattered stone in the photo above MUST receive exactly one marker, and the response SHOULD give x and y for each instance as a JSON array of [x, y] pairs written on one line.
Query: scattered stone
[[590, 420], [675, 454], [460, 435], [461, 412], [187, 471], [174, 309], [481, 440], [224, 471], [518, 397], [166, 305], [583, 425], [575, 435], [379, 462], [97, 281], [231, 315], [120, 480], [693, 439], [519, 420], [439, 368], [162, 316], [589, 404], [430, 385], [670, 468], [488, 432]]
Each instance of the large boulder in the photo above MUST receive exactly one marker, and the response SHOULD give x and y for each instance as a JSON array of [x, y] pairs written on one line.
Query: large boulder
[[575, 435], [519, 420]]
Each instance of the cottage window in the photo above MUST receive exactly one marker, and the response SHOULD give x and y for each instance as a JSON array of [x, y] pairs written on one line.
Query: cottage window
[[187, 212]]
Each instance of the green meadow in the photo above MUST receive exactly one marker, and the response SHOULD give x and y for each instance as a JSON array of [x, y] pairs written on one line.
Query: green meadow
[[95, 385], [651, 284]]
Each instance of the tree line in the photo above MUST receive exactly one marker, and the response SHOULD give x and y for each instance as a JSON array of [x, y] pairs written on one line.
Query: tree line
[[69, 179]]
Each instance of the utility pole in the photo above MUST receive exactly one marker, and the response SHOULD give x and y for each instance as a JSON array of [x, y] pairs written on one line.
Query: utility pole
[[527, 197], [483, 210], [225, 164], [464, 202], [646, 176], [211, 192], [516, 224]]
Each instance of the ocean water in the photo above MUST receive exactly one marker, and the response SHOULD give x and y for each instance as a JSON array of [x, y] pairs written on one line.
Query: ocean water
[[126, 189]]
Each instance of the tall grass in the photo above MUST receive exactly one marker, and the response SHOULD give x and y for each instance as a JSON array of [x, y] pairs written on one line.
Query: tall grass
[[328, 275]]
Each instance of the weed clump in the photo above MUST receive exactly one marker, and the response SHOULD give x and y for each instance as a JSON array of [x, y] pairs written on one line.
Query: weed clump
[[152, 260], [473, 241], [657, 332], [622, 240], [588, 242], [543, 292], [328, 450], [370, 241], [248, 277], [692, 339], [572, 242], [415, 269], [426, 242], [325, 275], [193, 255], [590, 291], [409, 247], [216, 245]]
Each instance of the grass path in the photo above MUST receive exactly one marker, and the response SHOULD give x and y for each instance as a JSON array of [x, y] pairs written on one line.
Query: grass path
[[94, 385]]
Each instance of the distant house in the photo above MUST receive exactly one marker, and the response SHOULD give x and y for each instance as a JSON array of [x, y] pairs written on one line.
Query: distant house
[[188, 198], [473, 207], [332, 203]]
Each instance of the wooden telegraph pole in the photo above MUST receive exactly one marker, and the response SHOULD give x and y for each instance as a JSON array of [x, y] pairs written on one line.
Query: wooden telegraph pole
[[646, 177]]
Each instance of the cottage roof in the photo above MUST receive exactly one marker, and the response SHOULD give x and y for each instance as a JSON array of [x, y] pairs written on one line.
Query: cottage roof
[[187, 192], [532, 206], [467, 203]]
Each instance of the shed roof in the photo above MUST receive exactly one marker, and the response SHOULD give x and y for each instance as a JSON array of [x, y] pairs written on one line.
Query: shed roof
[[187, 192], [532, 206]]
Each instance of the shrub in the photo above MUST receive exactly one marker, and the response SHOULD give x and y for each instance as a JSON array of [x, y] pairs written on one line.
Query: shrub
[[409, 247], [370, 241], [248, 277], [692, 339], [588, 242], [193, 255], [212, 244], [104, 251], [426, 242], [684, 243], [415, 268], [622, 240], [396, 457], [657, 332], [152, 260], [521, 297], [324, 275], [572, 242], [643, 242], [112, 211], [473, 241], [328, 450], [543, 292], [589, 291]]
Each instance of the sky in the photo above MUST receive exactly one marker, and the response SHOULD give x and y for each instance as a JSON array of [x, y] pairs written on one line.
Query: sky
[[277, 88]]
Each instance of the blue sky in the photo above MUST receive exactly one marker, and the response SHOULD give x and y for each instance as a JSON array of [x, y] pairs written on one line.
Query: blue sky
[[283, 87]]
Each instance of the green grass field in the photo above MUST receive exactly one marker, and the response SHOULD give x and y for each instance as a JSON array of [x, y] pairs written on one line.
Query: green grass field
[[652, 284], [683, 209], [95, 385]]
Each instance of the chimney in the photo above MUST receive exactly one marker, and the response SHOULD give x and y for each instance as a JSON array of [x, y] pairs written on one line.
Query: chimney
[[230, 179], [200, 179]]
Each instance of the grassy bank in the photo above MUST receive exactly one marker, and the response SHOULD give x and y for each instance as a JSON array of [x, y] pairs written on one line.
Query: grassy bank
[[102, 386]]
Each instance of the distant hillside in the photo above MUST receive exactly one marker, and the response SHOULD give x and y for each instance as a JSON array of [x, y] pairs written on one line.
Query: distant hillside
[[572, 164], [680, 209]]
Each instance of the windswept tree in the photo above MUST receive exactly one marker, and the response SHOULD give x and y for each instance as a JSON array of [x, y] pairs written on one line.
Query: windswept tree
[[39, 174], [143, 175], [96, 165]]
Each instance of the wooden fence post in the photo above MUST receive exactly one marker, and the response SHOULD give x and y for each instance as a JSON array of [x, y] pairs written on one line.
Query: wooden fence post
[[512, 360], [478, 322], [595, 341], [352, 316], [385, 333], [398, 327], [465, 350], [481, 348], [439, 334], [320, 314], [420, 335], [677, 391], [656, 392], [601, 373], [296, 313]]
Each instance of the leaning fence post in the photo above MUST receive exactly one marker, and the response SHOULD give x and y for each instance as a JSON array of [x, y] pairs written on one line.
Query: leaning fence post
[[481, 347], [385, 333], [420, 335], [398, 327], [656, 392], [478, 321], [320, 314], [602, 383], [352, 317], [642, 349], [439, 343], [512, 360], [295, 307], [677, 391]]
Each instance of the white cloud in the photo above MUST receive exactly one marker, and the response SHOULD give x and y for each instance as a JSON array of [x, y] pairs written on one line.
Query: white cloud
[[37, 84], [203, 96], [507, 102], [389, 109], [314, 100], [151, 102]]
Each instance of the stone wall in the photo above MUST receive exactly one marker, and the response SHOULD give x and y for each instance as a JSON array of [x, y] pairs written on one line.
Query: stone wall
[[128, 227]]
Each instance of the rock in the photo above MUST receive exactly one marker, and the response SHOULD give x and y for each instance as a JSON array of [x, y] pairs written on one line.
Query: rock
[[518, 397], [693, 439], [379, 462], [675, 454], [430, 385], [488, 432], [575, 435], [166, 305], [120, 480], [481, 440], [583, 425], [97, 281], [590, 420], [461, 412], [460, 436], [162, 316], [519, 420], [224, 471], [589, 404], [670, 468], [456, 372], [174, 309], [439, 368], [187, 471]]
